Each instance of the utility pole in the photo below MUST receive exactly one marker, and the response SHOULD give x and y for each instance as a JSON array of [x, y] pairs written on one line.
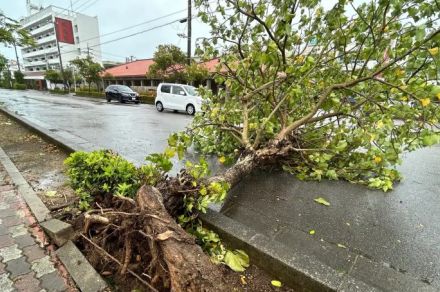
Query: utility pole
[[189, 32], [74, 78], [59, 55], [88, 51], [16, 56]]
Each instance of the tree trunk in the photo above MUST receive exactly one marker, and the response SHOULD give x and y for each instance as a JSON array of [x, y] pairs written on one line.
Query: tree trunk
[[238, 171], [188, 268]]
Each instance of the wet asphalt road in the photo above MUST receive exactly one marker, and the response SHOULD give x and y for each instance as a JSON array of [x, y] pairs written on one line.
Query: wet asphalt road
[[133, 130]]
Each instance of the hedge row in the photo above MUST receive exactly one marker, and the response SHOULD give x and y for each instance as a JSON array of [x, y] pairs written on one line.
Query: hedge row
[[90, 94], [20, 86], [58, 91], [149, 99]]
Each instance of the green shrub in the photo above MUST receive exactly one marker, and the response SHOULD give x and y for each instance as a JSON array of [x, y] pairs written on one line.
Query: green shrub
[[99, 173], [147, 99], [19, 77], [5, 84], [20, 86], [90, 94]]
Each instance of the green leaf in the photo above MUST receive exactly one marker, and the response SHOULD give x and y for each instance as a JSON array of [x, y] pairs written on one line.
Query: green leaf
[[50, 194], [237, 260], [429, 140], [322, 201]]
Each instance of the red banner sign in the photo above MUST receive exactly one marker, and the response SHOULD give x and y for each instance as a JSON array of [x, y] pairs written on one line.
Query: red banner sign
[[64, 30]]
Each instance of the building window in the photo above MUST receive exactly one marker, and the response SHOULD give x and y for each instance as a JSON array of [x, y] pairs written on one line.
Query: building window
[[79, 50], [77, 40], [76, 28]]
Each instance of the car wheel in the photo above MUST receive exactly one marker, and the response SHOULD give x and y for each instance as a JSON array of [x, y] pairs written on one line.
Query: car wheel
[[121, 100], [136, 102], [190, 110], [159, 106], [108, 98]]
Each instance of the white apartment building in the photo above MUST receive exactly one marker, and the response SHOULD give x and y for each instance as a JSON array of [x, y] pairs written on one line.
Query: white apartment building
[[83, 39]]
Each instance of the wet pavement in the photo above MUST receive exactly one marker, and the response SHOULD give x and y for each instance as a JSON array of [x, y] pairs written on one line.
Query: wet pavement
[[399, 230], [130, 129]]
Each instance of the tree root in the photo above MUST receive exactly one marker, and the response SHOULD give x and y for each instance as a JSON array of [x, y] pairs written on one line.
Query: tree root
[[170, 261]]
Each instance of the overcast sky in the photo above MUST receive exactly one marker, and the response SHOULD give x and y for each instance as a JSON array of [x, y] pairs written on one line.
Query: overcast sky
[[116, 14]]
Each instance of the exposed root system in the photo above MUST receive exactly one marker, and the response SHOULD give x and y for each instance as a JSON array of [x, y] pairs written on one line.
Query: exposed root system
[[140, 238]]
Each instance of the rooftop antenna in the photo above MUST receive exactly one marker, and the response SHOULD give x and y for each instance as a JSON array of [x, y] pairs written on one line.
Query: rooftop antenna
[[30, 7]]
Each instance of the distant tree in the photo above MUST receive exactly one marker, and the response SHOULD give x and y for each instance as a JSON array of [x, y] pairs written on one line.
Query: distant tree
[[13, 34], [53, 76], [89, 70], [108, 76], [169, 62], [3, 64], [7, 79], [19, 77], [195, 73]]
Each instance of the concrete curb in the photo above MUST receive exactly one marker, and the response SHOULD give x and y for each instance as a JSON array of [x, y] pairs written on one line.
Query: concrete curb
[[40, 211], [84, 275]]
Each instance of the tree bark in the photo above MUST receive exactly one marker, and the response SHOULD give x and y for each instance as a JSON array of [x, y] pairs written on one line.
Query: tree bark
[[238, 171], [189, 269]]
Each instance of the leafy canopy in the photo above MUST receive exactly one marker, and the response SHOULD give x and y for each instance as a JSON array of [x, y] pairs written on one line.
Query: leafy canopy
[[88, 69], [169, 60], [328, 93], [170, 63], [3, 63], [12, 33]]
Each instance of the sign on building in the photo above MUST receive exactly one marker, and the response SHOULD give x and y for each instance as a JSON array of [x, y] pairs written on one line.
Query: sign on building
[[64, 30]]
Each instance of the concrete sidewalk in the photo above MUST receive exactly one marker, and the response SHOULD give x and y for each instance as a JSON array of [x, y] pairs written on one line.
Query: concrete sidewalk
[[388, 240], [25, 264]]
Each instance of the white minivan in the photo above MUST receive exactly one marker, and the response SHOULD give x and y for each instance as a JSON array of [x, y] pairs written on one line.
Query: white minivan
[[178, 97]]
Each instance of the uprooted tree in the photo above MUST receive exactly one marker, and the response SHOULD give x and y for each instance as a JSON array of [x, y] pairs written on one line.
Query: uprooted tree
[[321, 92]]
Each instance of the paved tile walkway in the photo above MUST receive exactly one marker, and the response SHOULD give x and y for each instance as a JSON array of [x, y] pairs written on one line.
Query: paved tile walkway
[[25, 265]]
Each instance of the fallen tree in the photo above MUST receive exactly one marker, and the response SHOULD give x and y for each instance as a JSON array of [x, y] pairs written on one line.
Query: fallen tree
[[322, 92]]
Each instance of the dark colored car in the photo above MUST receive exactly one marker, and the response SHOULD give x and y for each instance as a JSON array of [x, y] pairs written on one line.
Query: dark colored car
[[121, 93]]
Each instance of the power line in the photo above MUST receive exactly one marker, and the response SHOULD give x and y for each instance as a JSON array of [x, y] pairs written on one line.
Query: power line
[[130, 35], [74, 3], [91, 4], [135, 25], [81, 5]]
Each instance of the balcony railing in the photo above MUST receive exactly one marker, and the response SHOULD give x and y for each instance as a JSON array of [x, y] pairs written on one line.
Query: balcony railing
[[46, 39], [40, 52], [41, 29]]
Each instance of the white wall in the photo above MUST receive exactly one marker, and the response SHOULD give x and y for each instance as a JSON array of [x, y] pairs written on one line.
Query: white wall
[[88, 33]]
